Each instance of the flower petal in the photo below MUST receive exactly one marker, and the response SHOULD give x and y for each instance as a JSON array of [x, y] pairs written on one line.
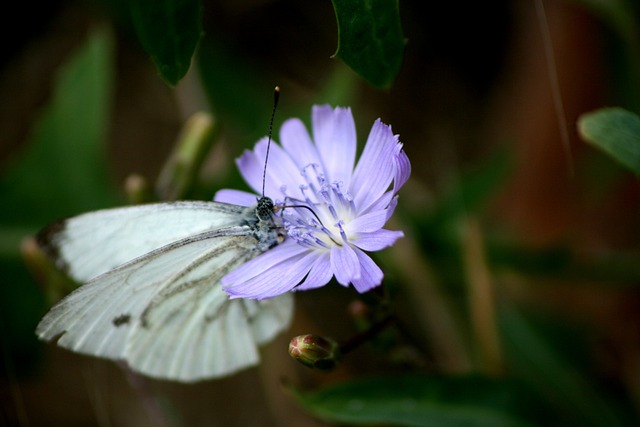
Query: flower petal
[[275, 281], [256, 266], [392, 207], [250, 168], [334, 133], [403, 168], [319, 275], [375, 169], [295, 139], [377, 240], [371, 275], [344, 263], [235, 197], [387, 201], [282, 172], [372, 221]]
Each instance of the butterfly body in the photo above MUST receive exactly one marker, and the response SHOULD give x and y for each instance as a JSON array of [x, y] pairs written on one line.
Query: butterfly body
[[151, 293]]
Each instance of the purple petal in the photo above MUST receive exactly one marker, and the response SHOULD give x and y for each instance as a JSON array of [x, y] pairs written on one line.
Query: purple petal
[[344, 263], [371, 274], [377, 240], [275, 281], [334, 133], [251, 170], [403, 169], [375, 169], [372, 221], [282, 172], [319, 275], [385, 202], [392, 207], [296, 141], [256, 266], [235, 197]]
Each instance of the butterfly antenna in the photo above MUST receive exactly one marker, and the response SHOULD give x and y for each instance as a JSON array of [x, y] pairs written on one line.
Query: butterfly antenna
[[276, 96]]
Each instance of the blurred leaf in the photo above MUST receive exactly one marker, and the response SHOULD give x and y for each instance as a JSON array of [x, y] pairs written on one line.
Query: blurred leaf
[[554, 373], [474, 187], [62, 171], [620, 269], [169, 31], [621, 47], [370, 39], [618, 14], [192, 146], [438, 229], [616, 131], [21, 306], [424, 400], [242, 99]]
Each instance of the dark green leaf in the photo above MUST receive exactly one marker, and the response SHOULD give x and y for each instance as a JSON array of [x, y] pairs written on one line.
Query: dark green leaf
[[620, 269], [556, 374], [370, 39], [169, 31], [439, 228], [474, 188], [616, 131], [618, 14], [424, 400], [62, 171]]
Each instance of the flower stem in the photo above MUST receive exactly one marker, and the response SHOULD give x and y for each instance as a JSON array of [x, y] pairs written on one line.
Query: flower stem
[[358, 339], [481, 297]]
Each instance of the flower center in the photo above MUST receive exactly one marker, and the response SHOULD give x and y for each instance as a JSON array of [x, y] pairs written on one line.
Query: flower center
[[324, 218]]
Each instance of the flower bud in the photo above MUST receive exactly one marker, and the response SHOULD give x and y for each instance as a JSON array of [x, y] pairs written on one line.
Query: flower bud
[[315, 351]]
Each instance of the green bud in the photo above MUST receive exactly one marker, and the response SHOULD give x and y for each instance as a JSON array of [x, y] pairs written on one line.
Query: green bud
[[315, 351], [137, 189]]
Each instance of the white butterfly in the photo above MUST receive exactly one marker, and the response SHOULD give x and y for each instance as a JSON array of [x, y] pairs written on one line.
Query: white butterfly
[[152, 295]]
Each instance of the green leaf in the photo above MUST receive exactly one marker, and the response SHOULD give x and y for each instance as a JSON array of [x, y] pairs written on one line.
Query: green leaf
[[616, 131], [618, 14], [169, 31], [549, 367], [370, 39], [474, 188], [439, 226], [62, 170], [424, 400]]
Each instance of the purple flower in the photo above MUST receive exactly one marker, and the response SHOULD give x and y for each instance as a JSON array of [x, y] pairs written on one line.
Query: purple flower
[[347, 206]]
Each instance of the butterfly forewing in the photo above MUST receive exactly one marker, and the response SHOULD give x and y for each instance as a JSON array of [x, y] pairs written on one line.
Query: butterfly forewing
[[95, 242], [164, 312]]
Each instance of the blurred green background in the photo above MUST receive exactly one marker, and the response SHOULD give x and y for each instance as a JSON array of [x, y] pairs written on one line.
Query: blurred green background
[[516, 286]]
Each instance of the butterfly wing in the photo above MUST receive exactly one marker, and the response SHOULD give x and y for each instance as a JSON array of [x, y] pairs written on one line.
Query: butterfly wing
[[165, 312], [93, 243]]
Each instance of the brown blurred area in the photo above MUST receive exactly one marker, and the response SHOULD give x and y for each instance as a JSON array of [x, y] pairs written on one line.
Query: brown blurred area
[[475, 78]]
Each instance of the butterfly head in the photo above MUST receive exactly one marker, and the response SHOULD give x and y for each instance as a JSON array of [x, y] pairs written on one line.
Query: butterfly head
[[264, 209]]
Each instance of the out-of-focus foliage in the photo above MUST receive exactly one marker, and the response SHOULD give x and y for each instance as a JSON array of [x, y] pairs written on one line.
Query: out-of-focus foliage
[[515, 290], [419, 400], [60, 172], [370, 38], [616, 131], [169, 31]]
